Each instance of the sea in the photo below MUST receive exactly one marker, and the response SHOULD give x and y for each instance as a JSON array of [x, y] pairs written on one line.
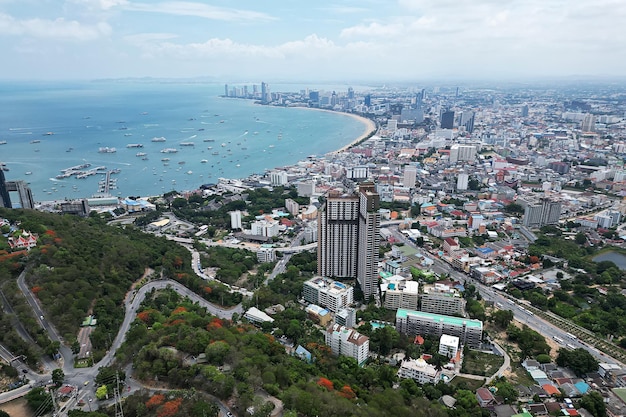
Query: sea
[[50, 127]]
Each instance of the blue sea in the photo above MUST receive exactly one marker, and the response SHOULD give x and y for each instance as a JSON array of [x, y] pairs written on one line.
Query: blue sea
[[49, 127]]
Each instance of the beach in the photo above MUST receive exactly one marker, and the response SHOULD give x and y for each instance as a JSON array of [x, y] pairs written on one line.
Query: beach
[[370, 127]]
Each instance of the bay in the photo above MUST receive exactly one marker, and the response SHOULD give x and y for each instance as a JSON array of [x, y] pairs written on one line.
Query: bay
[[52, 126]]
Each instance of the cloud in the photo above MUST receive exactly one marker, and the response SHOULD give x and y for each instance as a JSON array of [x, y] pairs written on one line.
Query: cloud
[[53, 29], [100, 4], [344, 9], [182, 8]]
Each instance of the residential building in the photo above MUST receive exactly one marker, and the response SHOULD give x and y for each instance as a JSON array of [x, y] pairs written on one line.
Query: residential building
[[469, 331], [327, 293], [402, 295], [448, 345], [541, 213], [349, 238], [235, 219], [441, 299], [265, 227], [348, 342], [257, 316], [410, 176], [266, 254], [419, 370], [346, 317]]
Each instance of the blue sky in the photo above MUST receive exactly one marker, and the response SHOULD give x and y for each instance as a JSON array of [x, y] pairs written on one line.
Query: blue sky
[[283, 40]]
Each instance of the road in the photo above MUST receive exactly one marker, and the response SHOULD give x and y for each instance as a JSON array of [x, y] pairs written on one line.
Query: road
[[524, 313]]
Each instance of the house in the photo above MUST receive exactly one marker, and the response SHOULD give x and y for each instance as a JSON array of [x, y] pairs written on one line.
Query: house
[[25, 240], [531, 365], [303, 354], [538, 409], [485, 397]]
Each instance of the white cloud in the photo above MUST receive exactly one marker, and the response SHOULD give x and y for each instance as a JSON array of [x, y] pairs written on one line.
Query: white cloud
[[53, 29], [100, 4], [183, 8]]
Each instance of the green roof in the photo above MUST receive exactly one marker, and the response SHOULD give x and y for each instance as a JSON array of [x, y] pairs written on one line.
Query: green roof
[[456, 321]]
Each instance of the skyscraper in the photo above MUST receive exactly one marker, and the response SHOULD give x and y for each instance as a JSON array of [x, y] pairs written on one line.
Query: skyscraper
[[265, 93], [349, 238], [447, 119]]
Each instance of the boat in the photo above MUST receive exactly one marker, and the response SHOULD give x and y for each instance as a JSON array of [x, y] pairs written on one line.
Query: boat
[[209, 140], [189, 172], [223, 144], [35, 141], [134, 145], [271, 146], [106, 149], [159, 139], [28, 173], [141, 154], [69, 149], [181, 163], [48, 134], [4, 167], [187, 144], [221, 121], [216, 153], [3, 142], [204, 161], [165, 159], [169, 150], [128, 134]]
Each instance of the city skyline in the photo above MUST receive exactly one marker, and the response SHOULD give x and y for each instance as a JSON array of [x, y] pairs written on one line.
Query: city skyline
[[352, 41]]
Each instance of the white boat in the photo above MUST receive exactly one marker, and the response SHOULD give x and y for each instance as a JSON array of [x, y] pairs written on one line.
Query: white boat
[[141, 154], [28, 173], [3, 142], [134, 145], [159, 139], [204, 161], [165, 159], [187, 144], [106, 149], [169, 150]]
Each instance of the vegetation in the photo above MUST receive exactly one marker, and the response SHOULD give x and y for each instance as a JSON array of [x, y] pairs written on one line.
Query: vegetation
[[580, 361]]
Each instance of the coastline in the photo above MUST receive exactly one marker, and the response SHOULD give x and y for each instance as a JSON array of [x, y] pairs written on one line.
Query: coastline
[[370, 127]]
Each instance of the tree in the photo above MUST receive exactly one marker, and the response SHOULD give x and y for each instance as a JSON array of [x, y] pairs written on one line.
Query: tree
[[580, 361], [594, 403], [102, 392], [39, 400], [580, 238], [58, 376], [502, 318], [4, 414]]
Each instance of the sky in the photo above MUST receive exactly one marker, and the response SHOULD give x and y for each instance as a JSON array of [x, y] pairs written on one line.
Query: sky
[[312, 40]]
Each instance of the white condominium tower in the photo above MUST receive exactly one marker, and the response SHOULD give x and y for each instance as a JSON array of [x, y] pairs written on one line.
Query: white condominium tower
[[349, 238]]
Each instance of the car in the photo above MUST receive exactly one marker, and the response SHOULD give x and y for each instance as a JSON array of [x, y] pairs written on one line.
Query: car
[[25, 371], [229, 414]]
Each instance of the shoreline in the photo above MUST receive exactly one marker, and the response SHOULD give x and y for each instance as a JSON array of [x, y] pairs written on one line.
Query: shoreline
[[370, 127]]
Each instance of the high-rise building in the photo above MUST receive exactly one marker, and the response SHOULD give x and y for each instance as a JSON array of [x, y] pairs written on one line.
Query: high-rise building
[[226, 90], [369, 239], [349, 238], [588, 124], [235, 219], [410, 176], [368, 100], [524, 110], [469, 331], [462, 181], [537, 214], [5, 198], [447, 119], [265, 93]]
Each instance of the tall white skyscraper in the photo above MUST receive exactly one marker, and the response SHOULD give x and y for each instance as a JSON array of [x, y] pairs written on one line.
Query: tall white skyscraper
[[349, 238]]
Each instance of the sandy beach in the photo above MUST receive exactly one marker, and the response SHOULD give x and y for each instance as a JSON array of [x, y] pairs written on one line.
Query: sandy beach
[[369, 124]]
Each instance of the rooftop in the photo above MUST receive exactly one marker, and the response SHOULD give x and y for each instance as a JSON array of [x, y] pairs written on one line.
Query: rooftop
[[454, 321]]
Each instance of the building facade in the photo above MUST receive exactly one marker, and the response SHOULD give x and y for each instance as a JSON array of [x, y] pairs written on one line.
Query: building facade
[[348, 342], [349, 238], [328, 293], [412, 323]]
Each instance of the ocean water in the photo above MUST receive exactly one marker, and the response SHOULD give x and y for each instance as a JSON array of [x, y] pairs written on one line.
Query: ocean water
[[50, 127]]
